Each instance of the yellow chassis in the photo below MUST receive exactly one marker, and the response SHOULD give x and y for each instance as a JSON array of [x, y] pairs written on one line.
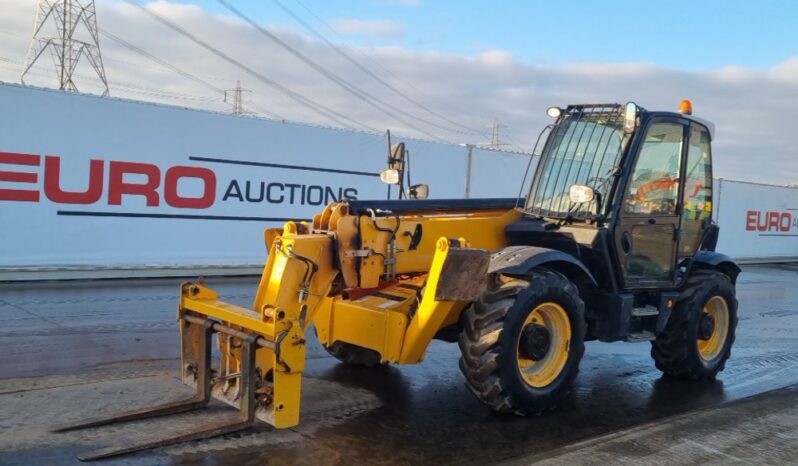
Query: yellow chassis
[[367, 280]]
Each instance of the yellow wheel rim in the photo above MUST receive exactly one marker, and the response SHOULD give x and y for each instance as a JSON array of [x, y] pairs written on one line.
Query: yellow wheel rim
[[544, 371], [711, 348]]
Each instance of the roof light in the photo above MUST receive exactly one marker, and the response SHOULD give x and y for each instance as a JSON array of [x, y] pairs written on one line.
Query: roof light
[[390, 176], [630, 117], [554, 112], [686, 107]]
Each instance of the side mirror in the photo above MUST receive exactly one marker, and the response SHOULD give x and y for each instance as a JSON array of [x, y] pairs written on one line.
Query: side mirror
[[419, 191], [580, 193], [396, 156], [390, 176]]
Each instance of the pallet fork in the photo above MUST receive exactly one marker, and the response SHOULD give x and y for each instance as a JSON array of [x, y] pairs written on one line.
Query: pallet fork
[[263, 348], [203, 374]]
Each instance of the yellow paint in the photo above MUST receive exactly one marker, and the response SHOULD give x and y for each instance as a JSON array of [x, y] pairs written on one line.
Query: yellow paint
[[431, 313], [346, 251], [484, 230], [541, 373], [370, 327], [719, 310]]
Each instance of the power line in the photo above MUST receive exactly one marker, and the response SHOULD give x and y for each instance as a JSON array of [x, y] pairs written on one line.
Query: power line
[[93, 80], [301, 99], [391, 73], [508, 137], [363, 68], [352, 89], [177, 70], [160, 62], [130, 88]]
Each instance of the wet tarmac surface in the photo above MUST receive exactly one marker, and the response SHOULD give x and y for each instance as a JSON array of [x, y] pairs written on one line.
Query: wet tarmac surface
[[71, 350]]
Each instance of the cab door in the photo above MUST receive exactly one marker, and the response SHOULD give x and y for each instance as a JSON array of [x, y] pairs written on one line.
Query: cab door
[[646, 234], [696, 192]]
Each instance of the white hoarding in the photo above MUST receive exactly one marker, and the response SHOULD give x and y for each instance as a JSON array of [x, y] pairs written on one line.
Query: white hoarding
[[757, 222], [88, 182], [130, 188]]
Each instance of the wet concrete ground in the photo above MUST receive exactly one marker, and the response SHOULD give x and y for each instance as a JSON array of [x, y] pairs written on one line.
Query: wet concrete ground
[[71, 350], [758, 430]]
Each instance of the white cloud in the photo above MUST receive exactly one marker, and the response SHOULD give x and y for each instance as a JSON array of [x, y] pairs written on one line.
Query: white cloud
[[374, 28], [751, 108]]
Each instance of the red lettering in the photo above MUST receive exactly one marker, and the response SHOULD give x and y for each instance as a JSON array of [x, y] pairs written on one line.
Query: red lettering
[[117, 186], [773, 221], [52, 185], [786, 221], [19, 177], [751, 219], [760, 225], [174, 199]]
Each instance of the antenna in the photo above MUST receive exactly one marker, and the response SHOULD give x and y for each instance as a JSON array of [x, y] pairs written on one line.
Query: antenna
[[68, 28], [236, 100]]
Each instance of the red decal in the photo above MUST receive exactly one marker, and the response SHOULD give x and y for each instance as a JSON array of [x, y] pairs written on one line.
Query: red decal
[[52, 186], [751, 220], [174, 199], [19, 159], [117, 186], [19, 177], [773, 221], [785, 222]]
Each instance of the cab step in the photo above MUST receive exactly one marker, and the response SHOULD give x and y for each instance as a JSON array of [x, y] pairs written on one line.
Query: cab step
[[645, 311], [642, 336]]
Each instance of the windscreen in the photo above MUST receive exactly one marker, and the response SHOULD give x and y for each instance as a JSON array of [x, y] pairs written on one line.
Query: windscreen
[[583, 148]]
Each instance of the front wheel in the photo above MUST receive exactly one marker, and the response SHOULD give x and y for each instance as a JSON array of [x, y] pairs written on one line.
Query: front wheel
[[522, 342], [698, 338]]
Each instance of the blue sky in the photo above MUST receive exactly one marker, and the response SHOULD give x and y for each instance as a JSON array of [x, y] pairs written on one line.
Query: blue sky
[[680, 34], [736, 60]]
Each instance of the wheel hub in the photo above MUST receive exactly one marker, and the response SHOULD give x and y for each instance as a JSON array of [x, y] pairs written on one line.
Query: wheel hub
[[535, 342], [706, 327]]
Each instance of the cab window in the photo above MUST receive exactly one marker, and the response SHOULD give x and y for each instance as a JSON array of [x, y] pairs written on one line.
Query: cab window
[[697, 196], [653, 188]]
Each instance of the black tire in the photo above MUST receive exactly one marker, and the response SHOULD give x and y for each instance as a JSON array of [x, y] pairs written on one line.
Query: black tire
[[354, 355], [675, 351], [490, 337]]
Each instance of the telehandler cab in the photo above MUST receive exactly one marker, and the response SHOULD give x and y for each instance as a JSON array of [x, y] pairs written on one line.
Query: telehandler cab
[[614, 242]]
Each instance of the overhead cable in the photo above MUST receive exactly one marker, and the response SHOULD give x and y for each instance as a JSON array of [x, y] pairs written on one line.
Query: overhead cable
[[327, 112], [364, 96], [375, 76]]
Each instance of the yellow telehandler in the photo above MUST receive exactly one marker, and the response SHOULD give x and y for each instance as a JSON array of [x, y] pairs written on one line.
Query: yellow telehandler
[[614, 242]]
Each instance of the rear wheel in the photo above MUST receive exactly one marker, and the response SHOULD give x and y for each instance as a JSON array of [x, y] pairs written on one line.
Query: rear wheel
[[522, 342], [697, 341]]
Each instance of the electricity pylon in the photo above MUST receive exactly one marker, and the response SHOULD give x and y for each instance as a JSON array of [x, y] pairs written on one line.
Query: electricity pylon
[[68, 29]]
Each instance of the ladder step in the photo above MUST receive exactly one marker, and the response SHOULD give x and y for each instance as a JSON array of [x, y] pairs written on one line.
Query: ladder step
[[645, 311], [642, 336]]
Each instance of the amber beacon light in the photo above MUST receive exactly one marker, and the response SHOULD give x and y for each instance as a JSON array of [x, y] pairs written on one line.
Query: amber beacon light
[[686, 107]]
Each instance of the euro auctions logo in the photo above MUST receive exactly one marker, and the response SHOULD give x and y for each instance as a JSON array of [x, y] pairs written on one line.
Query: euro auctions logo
[[32, 178], [771, 223], [155, 187]]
